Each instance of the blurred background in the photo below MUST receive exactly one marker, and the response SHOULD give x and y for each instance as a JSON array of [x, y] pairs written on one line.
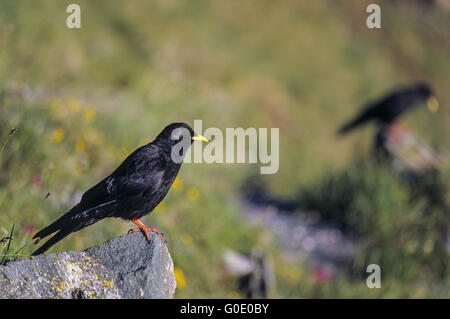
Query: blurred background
[[75, 102]]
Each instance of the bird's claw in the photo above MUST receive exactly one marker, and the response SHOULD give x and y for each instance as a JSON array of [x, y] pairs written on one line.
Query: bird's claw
[[163, 238], [145, 231]]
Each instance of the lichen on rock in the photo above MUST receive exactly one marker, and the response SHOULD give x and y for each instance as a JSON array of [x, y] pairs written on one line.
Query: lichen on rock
[[125, 267]]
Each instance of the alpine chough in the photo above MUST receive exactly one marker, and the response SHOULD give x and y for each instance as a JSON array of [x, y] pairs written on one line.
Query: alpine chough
[[133, 190], [390, 107]]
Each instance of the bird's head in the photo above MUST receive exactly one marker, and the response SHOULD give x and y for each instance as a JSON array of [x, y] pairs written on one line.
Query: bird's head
[[428, 95], [178, 137], [177, 132]]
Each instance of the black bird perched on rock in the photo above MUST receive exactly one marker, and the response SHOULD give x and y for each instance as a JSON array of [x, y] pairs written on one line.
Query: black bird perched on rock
[[133, 190], [389, 108]]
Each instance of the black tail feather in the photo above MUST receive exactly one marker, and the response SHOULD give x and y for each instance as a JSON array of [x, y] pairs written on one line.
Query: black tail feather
[[57, 224], [75, 219], [50, 229], [346, 128], [353, 124], [58, 236]]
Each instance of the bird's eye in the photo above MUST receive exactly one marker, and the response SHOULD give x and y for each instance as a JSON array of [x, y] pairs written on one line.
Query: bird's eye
[[179, 133]]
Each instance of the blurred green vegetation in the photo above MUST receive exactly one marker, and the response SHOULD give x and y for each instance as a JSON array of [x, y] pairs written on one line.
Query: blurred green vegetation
[[81, 100]]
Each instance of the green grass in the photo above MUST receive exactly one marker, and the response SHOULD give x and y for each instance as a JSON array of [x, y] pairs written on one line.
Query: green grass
[[83, 99]]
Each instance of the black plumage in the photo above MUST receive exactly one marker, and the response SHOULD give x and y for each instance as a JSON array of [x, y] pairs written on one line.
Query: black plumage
[[389, 108], [133, 190]]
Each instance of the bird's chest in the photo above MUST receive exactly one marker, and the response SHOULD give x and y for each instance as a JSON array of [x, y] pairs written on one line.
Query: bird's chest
[[148, 202]]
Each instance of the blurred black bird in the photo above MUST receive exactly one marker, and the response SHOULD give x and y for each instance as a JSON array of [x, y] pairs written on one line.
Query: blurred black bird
[[389, 108], [133, 190]]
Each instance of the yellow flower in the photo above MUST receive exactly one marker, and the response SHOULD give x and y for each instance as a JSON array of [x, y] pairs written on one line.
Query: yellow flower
[[80, 146], [192, 193], [89, 114], [160, 208], [295, 273], [428, 247], [58, 135], [177, 184], [234, 295], [179, 277], [73, 104]]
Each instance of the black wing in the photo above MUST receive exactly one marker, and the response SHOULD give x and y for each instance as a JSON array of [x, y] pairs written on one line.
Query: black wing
[[367, 114], [140, 173]]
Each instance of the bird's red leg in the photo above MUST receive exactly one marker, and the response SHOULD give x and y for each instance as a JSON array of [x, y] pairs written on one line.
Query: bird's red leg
[[145, 229], [397, 130]]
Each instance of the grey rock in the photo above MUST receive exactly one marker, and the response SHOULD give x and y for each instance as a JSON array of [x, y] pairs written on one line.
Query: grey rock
[[125, 267]]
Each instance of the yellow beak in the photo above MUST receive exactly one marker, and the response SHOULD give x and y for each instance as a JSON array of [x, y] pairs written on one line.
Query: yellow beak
[[432, 104], [200, 138]]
